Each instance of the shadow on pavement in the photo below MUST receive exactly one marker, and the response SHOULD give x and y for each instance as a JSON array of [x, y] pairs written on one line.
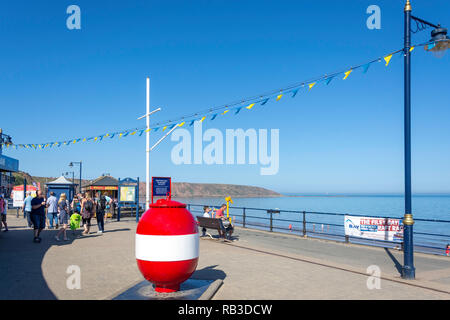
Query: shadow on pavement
[[21, 261], [397, 264], [209, 273]]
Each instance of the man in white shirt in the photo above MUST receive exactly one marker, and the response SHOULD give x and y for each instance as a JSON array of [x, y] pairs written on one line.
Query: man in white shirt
[[52, 211]]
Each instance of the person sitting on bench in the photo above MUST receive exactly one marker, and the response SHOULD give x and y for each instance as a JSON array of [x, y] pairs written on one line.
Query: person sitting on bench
[[206, 214], [226, 222]]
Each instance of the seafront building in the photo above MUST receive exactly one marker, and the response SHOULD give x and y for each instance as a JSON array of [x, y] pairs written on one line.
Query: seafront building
[[7, 167]]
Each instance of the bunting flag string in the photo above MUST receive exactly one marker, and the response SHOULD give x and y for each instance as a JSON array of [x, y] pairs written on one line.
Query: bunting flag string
[[248, 103]]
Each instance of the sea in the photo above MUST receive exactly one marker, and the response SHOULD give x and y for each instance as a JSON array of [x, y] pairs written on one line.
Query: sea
[[326, 213]]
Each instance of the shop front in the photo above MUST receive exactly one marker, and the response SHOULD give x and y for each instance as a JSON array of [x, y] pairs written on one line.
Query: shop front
[[7, 167], [106, 185]]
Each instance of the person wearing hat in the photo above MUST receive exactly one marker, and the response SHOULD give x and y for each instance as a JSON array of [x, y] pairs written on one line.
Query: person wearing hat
[[27, 209]]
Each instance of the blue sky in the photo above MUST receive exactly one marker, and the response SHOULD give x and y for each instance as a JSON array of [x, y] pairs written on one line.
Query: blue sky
[[346, 137]]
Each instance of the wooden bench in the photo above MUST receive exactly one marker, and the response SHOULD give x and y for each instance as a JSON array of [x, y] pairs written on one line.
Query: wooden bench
[[213, 223]]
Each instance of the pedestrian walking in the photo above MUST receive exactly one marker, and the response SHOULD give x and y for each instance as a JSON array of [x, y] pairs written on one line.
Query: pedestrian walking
[[100, 213], [3, 212], [52, 210], [75, 220], [108, 211], [87, 212], [80, 198], [63, 215], [447, 250], [27, 208], [38, 205]]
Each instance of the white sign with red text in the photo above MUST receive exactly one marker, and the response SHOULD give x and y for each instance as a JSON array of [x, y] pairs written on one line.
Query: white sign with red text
[[386, 229]]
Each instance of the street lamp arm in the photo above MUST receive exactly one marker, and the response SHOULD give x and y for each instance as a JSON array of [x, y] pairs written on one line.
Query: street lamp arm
[[425, 22]]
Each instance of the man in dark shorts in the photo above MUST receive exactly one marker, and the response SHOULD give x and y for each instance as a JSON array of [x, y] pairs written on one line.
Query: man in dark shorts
[[38, 215]]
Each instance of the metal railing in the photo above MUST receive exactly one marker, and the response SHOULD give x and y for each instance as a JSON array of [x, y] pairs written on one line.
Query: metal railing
[[429, 234]]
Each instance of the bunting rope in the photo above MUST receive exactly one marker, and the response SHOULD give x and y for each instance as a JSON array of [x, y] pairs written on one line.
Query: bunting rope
[[237, 106]]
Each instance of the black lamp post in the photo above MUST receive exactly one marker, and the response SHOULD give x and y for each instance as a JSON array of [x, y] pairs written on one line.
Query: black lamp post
[[439, 43], [79, 163], [73, 175]]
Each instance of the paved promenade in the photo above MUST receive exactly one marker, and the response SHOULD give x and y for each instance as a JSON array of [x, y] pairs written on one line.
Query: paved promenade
[[258, 265]]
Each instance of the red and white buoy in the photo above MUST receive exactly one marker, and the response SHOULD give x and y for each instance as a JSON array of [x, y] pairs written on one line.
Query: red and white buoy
[[167, 245]]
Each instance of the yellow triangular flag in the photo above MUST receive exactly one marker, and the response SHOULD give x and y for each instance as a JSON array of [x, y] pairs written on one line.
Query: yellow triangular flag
[[149, 129], [203, 119], [95, 139], [411, 49], [120, 135], [133, 133], [84, 140], [182, 124], [387, 59], [250, 106], [311, 85], [165, 127], [225, 111], [347, 74], [279, 97]]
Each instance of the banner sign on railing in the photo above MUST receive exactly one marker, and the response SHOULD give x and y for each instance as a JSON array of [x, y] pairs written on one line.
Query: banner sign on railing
[[386, 229]]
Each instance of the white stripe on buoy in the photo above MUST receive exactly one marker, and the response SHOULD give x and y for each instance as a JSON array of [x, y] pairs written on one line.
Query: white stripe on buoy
[[167, 248]]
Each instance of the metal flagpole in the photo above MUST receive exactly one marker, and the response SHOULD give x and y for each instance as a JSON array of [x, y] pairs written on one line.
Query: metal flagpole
[[147, 149], [147, 137]]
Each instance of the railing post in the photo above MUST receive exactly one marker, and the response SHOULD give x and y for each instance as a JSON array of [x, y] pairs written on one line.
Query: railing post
[[271, 221], [243, 218], [304, 224], [346, 239], [189, 207]]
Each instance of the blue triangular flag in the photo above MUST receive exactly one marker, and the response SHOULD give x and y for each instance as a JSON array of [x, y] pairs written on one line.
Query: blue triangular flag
[[329, 80], [141, 132], [237, 111], [366, 67], [214, 116], [192, 122], [294, 93], [264, 101]]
